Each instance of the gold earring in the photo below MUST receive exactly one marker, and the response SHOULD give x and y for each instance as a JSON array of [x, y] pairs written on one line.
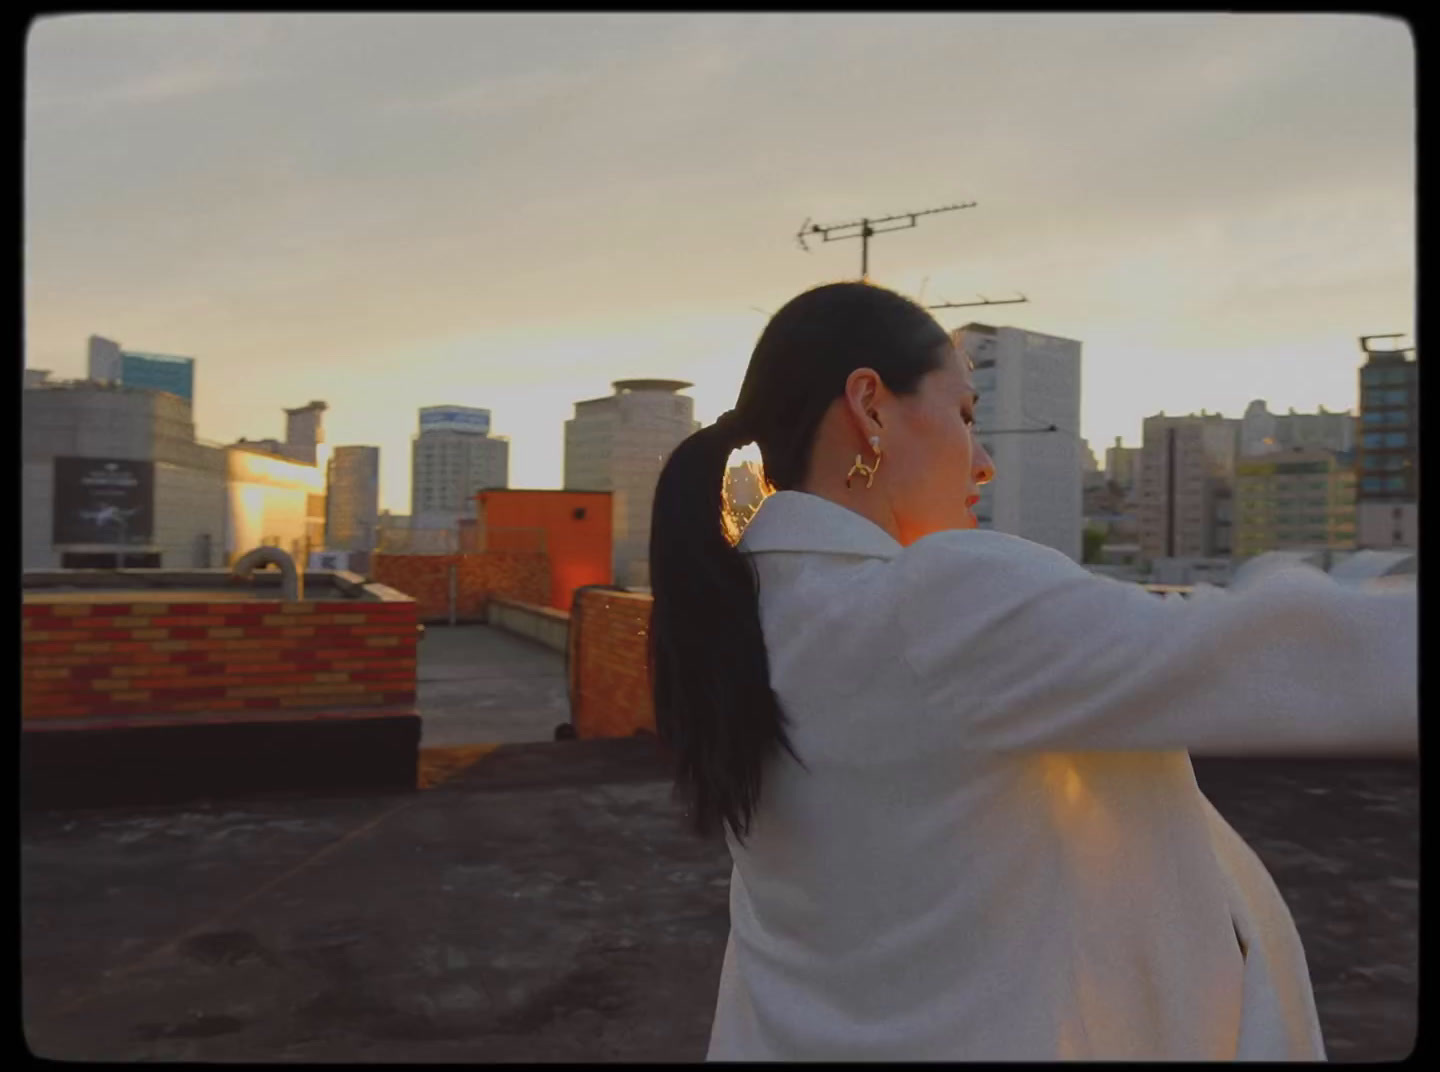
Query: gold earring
[[861, 467]]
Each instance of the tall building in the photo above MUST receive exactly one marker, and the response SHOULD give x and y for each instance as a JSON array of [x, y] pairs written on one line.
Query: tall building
[[103, 360], [304, 437], [452, 459], [1263, 432], [1186, 484], [745, 486], [1388, 459], [1027, 381], [352, 500], [619, 443], [1302, 498], [132, 368], [1122, 466], [305, 432]]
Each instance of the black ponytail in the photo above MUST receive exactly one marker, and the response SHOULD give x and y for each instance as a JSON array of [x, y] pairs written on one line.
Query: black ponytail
[[715, 712]]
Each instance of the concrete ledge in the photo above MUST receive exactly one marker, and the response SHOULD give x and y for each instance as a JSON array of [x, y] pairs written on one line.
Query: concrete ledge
[[196, 583], [161, 761], [545, 625]]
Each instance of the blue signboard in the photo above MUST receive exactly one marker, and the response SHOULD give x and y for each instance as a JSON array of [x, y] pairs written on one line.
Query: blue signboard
[[455, 419]]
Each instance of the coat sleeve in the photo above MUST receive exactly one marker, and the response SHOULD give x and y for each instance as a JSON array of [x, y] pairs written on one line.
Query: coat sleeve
[[1017, 647]]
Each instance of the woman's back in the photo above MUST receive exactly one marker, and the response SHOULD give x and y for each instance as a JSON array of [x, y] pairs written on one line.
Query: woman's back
[[953, 765], [911, 892]]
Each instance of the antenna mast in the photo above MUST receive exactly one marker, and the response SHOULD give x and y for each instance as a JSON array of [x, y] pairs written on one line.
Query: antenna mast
[[867, 230]]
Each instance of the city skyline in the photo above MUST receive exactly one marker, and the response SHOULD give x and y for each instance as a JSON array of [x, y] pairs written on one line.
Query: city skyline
[[512, 212]]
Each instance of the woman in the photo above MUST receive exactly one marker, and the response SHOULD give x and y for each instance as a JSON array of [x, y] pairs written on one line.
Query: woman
[[952, 765]]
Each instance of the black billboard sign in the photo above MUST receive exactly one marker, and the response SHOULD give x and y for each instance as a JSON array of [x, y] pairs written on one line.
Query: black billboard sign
[[107, 501]]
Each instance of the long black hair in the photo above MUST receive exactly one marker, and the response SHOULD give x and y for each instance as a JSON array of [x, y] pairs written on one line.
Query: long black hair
[[715, 712]]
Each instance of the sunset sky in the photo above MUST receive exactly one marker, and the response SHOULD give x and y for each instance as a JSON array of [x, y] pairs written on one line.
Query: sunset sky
[[394, 211]]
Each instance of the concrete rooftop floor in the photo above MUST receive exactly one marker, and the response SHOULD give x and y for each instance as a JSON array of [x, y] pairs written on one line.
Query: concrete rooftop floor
[[543, 903], [479, 685]]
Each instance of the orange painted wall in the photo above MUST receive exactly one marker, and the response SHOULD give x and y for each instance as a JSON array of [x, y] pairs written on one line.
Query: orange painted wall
[[579, 549]]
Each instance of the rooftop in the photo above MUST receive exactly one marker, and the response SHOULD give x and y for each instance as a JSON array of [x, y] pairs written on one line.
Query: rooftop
[[544, 904], [541, 901], [650, 385]]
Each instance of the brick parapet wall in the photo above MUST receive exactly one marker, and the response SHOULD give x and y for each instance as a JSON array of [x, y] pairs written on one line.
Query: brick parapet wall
[[609, 672], [144, 659], [520, 575]]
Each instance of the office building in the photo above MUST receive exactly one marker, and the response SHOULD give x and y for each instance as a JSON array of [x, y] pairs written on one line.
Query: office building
[[1028, 381], [114, 476], [745, 486], [619, 443], [1122, 465], [304, 440], [305, 432], [1186, 484], [352, 499], [452, 459], [1298, 499], [1388, 458], [132, 368]]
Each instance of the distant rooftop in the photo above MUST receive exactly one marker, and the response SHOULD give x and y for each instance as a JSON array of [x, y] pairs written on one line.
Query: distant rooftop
[[622, 386], [169, 359]]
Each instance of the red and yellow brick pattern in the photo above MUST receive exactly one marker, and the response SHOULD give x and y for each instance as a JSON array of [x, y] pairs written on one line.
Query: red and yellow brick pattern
[[521, 575], [610, 678], [122, 659]]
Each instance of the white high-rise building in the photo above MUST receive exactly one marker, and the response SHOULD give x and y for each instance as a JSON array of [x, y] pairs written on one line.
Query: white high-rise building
[[452, 459], [1026, 381], [352, 501], [619, 444]]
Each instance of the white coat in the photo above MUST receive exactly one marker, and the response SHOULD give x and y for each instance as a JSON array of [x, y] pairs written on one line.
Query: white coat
[[999, 850]]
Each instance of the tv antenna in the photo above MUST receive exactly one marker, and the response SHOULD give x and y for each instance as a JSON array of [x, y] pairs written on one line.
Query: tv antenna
[[983, 301], [865, 229]]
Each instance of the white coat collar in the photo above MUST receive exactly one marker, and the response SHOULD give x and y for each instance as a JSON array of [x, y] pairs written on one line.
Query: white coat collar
[[799, 521]]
